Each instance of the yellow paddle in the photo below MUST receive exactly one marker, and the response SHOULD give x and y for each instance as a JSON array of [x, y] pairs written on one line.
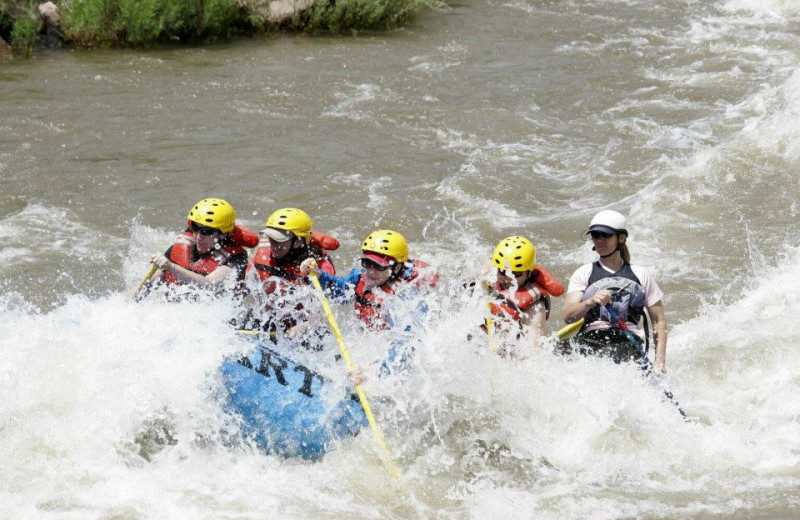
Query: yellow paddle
[[135, 292], [388, 459], [570, 330], [490, 333]]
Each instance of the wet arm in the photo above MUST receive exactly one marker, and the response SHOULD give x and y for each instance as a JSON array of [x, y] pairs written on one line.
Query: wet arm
[[339, 286], [215, 278], [659, 318], [537, 321], [575, 309]]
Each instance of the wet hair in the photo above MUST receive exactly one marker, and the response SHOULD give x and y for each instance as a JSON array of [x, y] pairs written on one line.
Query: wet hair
[[623, 249]]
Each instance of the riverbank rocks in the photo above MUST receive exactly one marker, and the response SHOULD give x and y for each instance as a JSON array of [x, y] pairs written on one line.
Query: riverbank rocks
[[52, 21], [5, 50], [50, 14], [279, 12]]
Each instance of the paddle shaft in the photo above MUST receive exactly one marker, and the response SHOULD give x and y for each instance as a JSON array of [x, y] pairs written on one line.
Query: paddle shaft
[[648, 365], [388, 459], [570, 330], [135, 292], [493, 349]]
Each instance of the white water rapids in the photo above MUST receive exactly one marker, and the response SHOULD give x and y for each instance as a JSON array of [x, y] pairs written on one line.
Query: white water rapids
[[484, 120]]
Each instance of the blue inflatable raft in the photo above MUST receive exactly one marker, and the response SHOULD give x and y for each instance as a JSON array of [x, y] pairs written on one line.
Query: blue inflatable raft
[[287, 408]]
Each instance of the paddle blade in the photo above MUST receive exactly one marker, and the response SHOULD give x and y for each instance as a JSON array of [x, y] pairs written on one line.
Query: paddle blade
[[570, 330]]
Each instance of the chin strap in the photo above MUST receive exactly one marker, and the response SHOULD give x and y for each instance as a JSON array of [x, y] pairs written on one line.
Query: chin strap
[[609, 254], [612, 252]]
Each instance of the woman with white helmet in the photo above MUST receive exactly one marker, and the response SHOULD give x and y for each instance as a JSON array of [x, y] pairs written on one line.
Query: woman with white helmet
[[611, 295]]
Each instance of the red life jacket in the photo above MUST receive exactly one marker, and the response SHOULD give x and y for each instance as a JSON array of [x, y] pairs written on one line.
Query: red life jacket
[[539, 287], [184, 248], [266, 266], [280, 277], [547, 281], [181, 252], [368, 303], [324, 242]]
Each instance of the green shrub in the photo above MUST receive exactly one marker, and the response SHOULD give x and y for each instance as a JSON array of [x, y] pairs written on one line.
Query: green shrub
[[351, 16], [137, 23], [25, 34], [145, 22], [11, 11], [89, 22], [220, 18]]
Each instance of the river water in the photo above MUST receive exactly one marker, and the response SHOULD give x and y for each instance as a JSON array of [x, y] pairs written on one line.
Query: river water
[[481, 121]]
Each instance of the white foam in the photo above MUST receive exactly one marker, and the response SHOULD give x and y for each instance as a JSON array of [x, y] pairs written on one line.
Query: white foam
[[763, 10], [355, 100], [61, 234]]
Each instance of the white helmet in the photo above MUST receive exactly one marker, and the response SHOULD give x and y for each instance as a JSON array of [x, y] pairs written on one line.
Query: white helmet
[[609, 221]]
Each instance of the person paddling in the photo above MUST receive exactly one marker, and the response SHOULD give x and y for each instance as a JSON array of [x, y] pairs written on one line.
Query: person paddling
[[286, 241], [210, 252], [274, 274], [520, 295], [385, 281], [611, 295]]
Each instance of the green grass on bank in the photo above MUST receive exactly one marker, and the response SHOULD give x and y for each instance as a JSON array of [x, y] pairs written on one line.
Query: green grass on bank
[[352, 16], [141, 23], [135, 23]]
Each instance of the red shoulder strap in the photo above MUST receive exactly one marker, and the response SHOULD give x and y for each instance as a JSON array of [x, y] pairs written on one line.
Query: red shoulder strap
[[502, 308], [244, 237], [326, 265], [181, 252], [323, 241], [547, 281]]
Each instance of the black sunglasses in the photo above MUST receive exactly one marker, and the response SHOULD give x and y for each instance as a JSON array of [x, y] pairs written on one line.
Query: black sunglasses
[[203, 230], [600, 234], [369, 264], [516, 274]]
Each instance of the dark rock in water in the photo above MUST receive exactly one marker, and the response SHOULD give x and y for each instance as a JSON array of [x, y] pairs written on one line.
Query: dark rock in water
[[53, 35], [155, 435]]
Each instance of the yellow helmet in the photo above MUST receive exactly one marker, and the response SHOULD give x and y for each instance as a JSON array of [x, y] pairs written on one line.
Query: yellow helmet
[[386, 242], [516, 253], [291, 219], [213, 213]]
